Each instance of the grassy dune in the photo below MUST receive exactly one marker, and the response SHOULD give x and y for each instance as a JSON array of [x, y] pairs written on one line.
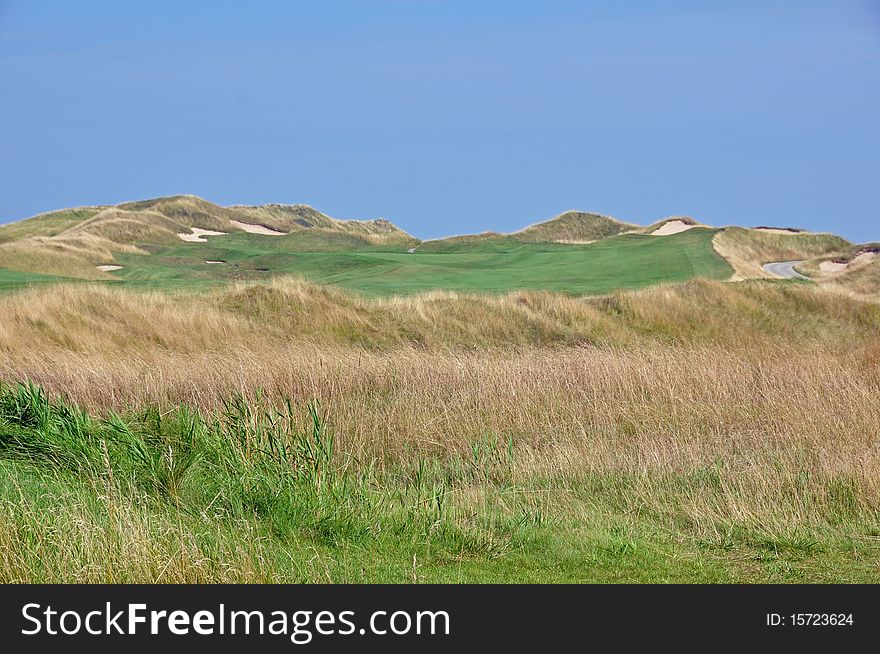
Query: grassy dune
[[574, 226], [292, 432], [748, 249], [862, 281], [74, 256], [47, 224], [72, 242]]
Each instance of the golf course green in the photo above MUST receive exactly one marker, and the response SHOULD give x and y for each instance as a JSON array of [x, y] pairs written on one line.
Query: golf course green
[[488, 266]]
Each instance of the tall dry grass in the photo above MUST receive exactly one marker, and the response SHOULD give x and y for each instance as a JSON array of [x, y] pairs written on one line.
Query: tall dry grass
[[101, 319], [710, 410], [673, 377]]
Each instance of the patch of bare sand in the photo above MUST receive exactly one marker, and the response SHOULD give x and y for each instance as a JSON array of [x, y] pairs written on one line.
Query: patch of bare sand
[[672, 227], [108, 268], [197, 234], [256, 229], [837, 267]]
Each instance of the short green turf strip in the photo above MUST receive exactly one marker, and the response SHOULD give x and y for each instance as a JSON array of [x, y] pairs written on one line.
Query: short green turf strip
[[494, 266], [11, 279]]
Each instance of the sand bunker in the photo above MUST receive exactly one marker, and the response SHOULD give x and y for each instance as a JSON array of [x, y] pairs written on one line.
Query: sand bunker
[[777, 230], [197, 234], [108, 268], [836, 267], [256, 229], [208, 261], [672, 227]]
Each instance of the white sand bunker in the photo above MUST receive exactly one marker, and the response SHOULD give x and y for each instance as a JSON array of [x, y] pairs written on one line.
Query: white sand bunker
[[108, 268], [196, 235], [836, 267], [777, 230], [209, 261], [256, 229], [672, 227]]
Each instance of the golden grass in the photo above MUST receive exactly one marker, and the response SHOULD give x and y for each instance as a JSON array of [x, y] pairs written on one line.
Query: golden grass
[[46, 224], [68, 254], [860, 278], [125, 227], [296, 217], [98, 318], [574, 226], [703, 359], [862, 281]]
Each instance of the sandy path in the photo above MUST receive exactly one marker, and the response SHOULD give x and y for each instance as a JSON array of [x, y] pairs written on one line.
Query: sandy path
[[784, 269], [672, 227], [197, 234], [256, 229]]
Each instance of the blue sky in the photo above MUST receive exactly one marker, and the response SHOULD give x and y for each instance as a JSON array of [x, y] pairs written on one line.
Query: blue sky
[[449, 117]]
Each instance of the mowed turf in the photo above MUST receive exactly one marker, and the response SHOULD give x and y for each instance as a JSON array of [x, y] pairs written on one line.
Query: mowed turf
[[10, 279], [492, 265]]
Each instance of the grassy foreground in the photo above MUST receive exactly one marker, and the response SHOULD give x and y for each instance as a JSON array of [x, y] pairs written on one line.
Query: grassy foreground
[[705, 432]]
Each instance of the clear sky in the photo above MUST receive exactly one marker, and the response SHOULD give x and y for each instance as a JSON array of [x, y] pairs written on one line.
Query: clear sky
[[449, 117]]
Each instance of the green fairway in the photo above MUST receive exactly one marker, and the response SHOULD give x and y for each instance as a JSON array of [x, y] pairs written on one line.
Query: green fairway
[[10, 279], [490, 265]]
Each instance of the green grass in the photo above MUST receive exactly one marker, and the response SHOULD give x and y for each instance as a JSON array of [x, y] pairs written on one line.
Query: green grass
[[12, 279], [245, 495], [493, 266]]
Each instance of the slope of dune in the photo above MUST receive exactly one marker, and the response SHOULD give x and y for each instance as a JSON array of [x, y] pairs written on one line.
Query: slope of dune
[[290, 218], [747, 250], [574, 226], [864, 280], [855, 269], [46, 224], [569, 228], [72, 242]]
